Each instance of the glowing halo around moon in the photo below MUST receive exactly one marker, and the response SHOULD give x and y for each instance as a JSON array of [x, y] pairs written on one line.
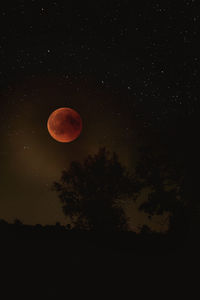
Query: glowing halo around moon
[[64, 124]]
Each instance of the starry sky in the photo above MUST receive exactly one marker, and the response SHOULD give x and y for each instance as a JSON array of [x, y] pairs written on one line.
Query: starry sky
[[125, 66]]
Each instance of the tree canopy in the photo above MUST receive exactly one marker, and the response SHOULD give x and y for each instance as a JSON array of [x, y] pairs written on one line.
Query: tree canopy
[[91, 192]]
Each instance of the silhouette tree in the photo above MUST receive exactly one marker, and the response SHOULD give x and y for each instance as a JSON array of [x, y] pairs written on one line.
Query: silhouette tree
[[17, 222], [165, 189], [162, 169], [92, 192]]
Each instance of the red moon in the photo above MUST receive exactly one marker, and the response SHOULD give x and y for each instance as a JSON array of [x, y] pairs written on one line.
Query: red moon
[[64, 124]]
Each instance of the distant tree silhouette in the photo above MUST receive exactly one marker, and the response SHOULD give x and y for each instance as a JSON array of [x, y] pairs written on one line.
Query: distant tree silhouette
[[162, 169], [17, 222], [165, 185], [91, 192]]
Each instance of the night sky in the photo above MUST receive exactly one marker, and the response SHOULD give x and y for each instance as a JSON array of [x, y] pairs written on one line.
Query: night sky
[[124, 66]]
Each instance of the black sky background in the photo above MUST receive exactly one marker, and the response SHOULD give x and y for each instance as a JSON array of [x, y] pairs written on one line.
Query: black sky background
[[129, 68]]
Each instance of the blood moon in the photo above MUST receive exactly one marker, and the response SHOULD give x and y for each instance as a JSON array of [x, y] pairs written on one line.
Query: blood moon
[[64, 124]]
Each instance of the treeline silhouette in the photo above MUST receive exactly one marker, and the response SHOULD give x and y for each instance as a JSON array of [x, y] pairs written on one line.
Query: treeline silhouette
[[146, 242]]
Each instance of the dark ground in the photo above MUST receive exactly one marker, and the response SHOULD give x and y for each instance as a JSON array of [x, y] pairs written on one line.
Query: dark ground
[[51, 261]]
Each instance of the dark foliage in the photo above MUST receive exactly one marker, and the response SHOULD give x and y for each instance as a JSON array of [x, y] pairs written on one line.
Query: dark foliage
[[164, 179], [91, 192], [169, 167]]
